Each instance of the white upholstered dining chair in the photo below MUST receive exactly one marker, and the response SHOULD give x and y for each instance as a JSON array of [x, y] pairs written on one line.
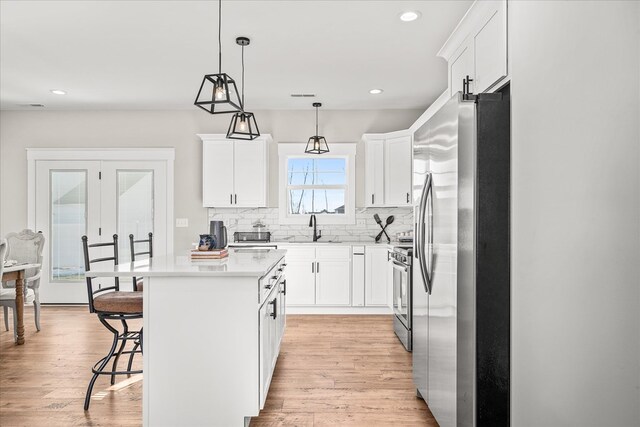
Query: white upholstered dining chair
[[24, 247], [8, 296]]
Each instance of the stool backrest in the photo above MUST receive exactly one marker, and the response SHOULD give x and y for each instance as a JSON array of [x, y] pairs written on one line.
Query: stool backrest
[[148, 251], [87, 266]]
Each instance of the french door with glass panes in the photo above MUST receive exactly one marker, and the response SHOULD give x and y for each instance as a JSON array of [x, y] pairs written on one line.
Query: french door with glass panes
[[97, 199]]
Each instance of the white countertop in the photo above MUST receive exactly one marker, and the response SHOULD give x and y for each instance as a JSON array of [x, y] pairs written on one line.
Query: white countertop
[[319, 242], [240, 262]]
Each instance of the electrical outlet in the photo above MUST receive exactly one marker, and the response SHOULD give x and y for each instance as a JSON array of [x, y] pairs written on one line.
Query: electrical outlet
[[182, 222], [362, 221]]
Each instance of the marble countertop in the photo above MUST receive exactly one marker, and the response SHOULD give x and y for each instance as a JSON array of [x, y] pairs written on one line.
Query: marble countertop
[[239, 263], [319, 242]]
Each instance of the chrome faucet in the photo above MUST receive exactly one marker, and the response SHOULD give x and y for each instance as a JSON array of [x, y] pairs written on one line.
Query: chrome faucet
[[313, 223]]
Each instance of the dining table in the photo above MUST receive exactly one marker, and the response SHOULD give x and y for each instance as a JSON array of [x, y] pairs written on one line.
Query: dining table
[[16, 273]]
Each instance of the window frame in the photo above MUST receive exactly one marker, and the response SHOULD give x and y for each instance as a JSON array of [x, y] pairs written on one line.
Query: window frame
[[346, 151]]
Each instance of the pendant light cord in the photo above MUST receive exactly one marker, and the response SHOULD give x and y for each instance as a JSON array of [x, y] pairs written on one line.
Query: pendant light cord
[[243, 78], [219, 36], [316, 121]]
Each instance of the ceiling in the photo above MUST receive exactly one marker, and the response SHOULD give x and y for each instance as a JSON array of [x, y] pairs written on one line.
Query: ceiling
[[152, 54]]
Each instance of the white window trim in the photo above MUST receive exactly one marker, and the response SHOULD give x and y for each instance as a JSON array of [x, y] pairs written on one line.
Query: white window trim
[[346, 150]]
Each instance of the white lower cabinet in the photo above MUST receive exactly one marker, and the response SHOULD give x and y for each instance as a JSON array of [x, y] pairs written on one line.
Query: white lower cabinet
[[266, 351], [272, 322], [301, 282], [318, 275], [282, 310], [376, 278], [357, 276], [332, 282]]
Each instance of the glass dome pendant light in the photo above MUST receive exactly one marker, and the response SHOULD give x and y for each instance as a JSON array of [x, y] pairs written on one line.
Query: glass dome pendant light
[[218, 93], [317, 144], [243, 124]]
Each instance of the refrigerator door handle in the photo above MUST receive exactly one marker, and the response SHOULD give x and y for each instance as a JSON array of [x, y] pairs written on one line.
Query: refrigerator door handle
[[426, 192], [429, 244]]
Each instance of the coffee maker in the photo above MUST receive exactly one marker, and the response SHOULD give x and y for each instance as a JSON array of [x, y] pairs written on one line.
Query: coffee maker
[[219, 232]]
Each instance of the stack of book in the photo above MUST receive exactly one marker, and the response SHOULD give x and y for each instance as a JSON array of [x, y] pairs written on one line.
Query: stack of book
[[197, 255]]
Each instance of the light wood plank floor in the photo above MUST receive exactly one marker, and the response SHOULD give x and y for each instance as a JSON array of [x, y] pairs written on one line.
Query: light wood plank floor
[[332, 370]]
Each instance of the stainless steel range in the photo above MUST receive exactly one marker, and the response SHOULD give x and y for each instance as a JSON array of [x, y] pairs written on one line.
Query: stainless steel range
[[401, 257]]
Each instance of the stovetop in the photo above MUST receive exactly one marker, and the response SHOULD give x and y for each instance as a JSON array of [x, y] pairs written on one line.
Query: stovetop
[[403, 254]]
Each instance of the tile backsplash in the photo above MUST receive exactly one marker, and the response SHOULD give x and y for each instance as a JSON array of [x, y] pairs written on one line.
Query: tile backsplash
[[365, 229]]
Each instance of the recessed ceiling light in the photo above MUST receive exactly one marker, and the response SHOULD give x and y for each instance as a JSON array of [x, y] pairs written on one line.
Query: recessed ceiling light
[[409, 16], [375, 91], [58, 92]]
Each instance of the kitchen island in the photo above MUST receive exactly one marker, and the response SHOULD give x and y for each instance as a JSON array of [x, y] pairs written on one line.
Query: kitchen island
[[212, 332]]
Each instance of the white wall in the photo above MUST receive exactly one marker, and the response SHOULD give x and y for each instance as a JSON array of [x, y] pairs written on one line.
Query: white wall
[[97, 129], [576, 213]]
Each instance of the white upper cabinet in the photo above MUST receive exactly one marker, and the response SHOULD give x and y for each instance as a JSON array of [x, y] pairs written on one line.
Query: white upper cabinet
[[235, 173], [374, 175], [250, 176], [217, 173], [478, 47], [397, 185], [490, 48], [460, 67], [387, 169]]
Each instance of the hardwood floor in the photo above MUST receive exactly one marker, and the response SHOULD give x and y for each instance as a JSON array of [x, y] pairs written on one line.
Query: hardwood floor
[[332, 370]]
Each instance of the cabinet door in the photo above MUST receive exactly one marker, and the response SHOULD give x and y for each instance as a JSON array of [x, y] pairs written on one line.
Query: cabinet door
[[460, 67], [357, 277], [250, 174], [374, 173], [276, 329], [266, 356], [398, 171], [282, 311], [333, 282], [217, 173], [301, 282], [490, 48], [376, 276]]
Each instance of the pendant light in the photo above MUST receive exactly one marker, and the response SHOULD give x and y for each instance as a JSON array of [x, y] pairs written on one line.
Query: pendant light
[[218, 93], [317, 144], [243, 124]]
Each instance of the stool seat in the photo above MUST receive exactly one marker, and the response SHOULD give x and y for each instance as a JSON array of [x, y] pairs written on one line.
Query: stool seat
[[119, 302], [140, 285]]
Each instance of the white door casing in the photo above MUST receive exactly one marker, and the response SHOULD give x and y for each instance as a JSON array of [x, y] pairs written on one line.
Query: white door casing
[[46, 166]]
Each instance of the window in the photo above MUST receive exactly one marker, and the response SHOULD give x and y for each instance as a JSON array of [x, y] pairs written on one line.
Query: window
[[319, 185], [316, 185]]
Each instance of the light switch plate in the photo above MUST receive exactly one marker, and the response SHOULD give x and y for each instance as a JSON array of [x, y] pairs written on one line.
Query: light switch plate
[[182, 222]]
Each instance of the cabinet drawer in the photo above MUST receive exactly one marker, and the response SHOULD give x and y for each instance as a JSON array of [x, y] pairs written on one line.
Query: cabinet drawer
[[339, 253], [299, 252]]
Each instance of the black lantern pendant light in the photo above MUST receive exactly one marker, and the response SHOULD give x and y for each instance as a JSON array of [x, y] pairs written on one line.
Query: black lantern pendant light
[[218, 93], [243, 124], [317, 144]]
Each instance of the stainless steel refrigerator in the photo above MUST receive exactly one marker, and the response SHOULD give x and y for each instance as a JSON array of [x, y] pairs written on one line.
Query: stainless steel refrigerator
[[461, 286]]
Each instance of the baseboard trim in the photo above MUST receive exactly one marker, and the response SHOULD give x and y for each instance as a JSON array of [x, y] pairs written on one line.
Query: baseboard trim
[[338, 310]]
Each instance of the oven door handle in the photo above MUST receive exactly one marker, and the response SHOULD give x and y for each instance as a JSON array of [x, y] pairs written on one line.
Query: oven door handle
[[401, 267]]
